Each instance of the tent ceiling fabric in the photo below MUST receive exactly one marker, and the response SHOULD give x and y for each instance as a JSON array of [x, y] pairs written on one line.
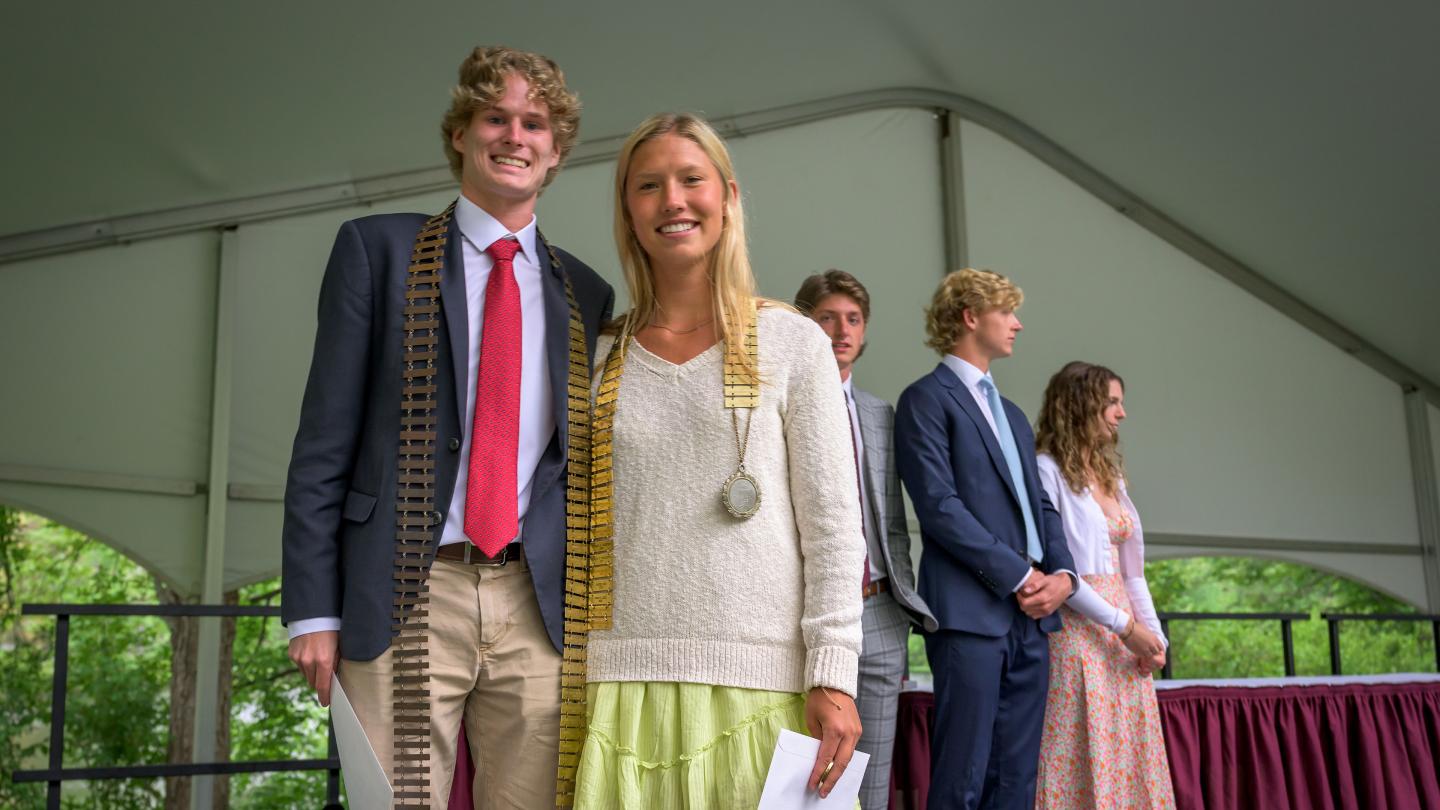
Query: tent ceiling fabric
[[1292, 135]]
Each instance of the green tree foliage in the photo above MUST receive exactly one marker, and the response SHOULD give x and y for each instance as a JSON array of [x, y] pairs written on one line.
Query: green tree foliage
[[1245, 649], [1231, 649], [118, 687], [275, 714]]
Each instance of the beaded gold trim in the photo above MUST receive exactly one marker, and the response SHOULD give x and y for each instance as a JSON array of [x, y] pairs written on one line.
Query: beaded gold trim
[[742, 388], [579, 554], [418, 522], [416, 518]]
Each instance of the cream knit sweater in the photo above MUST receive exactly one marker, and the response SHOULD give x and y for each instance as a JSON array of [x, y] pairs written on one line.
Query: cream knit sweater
[[772, 602]]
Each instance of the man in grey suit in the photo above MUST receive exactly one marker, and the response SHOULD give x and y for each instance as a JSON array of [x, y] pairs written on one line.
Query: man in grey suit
[[841, 305]]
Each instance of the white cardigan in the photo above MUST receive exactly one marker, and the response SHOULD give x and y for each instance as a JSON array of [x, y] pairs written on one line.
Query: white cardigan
[[772, 602], [1088, 535]]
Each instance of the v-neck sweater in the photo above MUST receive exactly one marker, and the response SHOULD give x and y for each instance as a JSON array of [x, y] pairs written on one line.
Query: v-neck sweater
[[770, 602]]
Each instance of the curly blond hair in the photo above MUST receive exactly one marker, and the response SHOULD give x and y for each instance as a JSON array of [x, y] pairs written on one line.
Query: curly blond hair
[[1070, 430], [482, 83], [976, 290]]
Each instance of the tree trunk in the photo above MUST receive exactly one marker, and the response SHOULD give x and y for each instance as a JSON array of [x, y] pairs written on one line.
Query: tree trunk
[[222, 723], [184, 650]]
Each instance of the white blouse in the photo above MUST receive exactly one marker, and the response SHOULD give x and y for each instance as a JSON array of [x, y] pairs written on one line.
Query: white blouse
[[1088, 535]]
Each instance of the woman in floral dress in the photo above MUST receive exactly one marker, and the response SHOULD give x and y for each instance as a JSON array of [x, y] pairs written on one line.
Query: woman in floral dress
[[1102, 745]]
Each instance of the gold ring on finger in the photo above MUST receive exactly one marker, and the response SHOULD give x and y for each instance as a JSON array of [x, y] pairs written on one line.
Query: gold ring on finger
[[825, 774]]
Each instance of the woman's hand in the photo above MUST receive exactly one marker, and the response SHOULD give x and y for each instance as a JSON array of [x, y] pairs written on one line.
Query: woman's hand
[[1150, 664], [831, 716], [1142, 641]]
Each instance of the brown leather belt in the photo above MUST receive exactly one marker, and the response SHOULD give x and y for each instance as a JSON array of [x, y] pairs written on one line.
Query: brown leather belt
[[876, 586], [466, 553]]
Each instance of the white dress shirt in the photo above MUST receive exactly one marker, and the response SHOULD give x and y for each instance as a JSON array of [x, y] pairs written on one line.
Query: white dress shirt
[[537, 417], [873, 531], [970, 377]]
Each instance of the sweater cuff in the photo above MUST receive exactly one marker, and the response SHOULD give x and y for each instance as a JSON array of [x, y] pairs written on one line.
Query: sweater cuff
[[835, 668]]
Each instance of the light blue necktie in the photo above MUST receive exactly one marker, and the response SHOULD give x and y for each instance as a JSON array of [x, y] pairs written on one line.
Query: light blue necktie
[[1012, 460]]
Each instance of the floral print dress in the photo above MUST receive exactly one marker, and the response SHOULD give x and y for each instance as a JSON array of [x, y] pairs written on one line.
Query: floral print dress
[[1102, 746]]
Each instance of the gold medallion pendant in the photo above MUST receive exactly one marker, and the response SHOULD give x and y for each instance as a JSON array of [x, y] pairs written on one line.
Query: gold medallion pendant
[[741, 495]]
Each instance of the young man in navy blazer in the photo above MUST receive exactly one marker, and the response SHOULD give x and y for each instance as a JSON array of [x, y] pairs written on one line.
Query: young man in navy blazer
[[495, 581], [995, 565]]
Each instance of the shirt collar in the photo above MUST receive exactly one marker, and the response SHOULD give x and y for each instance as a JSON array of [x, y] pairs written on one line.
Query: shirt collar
[[968, 374], [482, 229], [847, 385]]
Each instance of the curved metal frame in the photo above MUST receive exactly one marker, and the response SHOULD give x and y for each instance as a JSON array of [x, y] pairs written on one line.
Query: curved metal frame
[[950, 107]]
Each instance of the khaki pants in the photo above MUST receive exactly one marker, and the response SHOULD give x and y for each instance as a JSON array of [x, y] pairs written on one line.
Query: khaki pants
[[492, 667]]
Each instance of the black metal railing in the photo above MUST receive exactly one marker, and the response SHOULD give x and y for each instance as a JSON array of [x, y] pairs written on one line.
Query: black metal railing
[[1287, 638], [1334, 620], [56, 774]]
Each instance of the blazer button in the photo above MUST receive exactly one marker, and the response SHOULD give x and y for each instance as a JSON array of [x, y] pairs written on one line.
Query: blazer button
[[454, 445]]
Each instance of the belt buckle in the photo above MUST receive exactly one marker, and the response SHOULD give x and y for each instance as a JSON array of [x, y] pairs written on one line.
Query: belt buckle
[[498, 562]]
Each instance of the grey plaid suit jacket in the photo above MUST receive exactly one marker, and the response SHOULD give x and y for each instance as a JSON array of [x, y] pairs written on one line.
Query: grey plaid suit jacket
[[882, 486]]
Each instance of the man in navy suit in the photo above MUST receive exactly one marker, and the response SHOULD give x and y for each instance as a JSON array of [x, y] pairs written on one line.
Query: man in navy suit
[[995, 565], [494, 566]]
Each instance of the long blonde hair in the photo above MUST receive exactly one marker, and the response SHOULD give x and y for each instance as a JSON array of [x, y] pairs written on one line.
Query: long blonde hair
[[732, 282]]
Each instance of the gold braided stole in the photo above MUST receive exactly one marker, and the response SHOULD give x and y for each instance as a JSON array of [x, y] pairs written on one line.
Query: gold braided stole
[[579, 564], [742, 390], [416, 518], [418, 521]]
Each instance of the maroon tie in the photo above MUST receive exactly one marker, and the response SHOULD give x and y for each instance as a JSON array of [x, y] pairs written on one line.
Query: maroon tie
[[491, 513], [865, 580]]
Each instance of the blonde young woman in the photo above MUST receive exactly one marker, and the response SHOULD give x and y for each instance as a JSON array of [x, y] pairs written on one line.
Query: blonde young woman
[[738, 551], [1102, 744]]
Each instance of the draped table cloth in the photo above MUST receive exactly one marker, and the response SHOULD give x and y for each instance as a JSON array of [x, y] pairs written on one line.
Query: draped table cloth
[[1343, 743]]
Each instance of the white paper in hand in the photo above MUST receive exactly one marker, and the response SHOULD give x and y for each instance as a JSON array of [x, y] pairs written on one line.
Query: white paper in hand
[[366, 786], [790, 770]]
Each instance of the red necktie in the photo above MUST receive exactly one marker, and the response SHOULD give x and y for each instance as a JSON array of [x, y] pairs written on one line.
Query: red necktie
[[491, 516], [865, 580]]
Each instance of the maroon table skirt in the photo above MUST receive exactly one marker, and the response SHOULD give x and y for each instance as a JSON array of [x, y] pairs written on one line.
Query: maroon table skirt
[[1340, 746]]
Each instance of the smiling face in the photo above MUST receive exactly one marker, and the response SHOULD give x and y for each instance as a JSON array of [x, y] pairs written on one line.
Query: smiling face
[[675, 198], [843, 320], [1114, 411], [506, 151]]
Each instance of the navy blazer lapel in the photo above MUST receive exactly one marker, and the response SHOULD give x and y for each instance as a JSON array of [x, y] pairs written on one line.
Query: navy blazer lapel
[[557, 336], [967, 403], [457, 317]]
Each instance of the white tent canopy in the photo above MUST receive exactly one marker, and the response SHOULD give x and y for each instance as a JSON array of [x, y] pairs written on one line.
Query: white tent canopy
[[1226, 204]]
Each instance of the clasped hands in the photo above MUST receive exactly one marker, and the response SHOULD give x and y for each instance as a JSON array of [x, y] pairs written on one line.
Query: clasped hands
[[1042, 594], [1149, 650]]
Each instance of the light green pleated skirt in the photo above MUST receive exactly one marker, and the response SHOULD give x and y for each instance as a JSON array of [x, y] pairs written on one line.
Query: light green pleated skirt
[[680, 746]]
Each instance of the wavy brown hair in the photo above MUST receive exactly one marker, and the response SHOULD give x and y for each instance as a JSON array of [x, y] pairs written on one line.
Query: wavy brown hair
[[1070, 430], [482, 83]]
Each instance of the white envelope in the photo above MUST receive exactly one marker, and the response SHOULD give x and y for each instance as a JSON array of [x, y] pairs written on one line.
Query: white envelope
[[790, 770], [366, 786]]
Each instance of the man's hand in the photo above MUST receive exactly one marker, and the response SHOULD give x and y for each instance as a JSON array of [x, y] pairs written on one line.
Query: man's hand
[[317, 654], [1042, 594], [831, 716]]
